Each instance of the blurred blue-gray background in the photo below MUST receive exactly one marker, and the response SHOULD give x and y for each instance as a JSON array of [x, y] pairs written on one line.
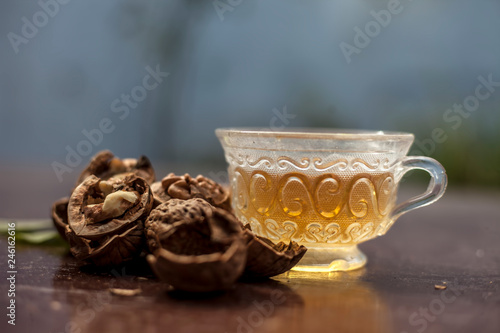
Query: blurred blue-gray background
[[67, 65]]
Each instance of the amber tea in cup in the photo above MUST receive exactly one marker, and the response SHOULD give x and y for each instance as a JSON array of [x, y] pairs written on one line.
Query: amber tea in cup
[[326, 189]]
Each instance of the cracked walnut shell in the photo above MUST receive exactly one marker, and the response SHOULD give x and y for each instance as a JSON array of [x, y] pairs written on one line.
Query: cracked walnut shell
[[197, 247], [186, 187], [105, 219], [105, 165], [267, 259], [59, 214]]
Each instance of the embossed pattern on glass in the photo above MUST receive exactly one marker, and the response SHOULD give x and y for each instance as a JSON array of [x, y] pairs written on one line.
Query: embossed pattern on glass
[[326, 190]]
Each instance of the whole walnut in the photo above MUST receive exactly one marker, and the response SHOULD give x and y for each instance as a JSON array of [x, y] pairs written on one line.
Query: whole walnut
[[186, 187], [106, 219], [172, 213], [196, 247]]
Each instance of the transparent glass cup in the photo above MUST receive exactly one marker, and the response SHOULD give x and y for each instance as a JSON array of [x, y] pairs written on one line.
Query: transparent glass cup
[[326, 189]]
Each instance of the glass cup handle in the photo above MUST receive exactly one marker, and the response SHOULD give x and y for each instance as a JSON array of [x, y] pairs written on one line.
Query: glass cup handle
[[435, 190]]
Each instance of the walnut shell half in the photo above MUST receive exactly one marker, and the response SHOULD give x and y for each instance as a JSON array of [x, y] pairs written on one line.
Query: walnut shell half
[[266, 259], [59, 213], [186, 187], [105, 219], [205, 252], [110, 250], [105, 165]]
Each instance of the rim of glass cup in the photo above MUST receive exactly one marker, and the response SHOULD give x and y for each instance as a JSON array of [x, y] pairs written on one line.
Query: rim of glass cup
[[315, 133]]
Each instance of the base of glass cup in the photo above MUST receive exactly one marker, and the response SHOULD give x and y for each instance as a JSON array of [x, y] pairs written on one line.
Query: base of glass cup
[[331, 259]]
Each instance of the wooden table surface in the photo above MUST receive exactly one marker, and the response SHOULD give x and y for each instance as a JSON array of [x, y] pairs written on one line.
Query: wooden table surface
[[455, 242]]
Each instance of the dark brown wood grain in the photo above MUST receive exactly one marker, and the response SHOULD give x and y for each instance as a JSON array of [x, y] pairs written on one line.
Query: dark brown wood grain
[[455, 242]]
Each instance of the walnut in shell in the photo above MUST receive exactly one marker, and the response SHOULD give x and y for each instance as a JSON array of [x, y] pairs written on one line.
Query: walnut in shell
[[197, 247], [186, 187], [266, 259], [105, 165], [172, 213], [106, 219]]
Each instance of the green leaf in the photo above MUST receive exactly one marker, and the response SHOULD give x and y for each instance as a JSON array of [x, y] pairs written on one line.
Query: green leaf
[[36, 232], [26, 225]]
